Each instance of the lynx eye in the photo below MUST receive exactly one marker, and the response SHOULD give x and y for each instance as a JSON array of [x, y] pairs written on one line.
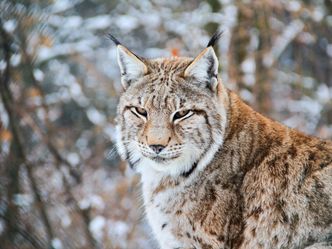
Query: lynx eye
[[139, 111], [182, 114]]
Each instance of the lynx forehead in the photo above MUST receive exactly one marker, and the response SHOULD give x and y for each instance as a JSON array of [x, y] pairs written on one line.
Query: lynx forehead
[[215, 173]]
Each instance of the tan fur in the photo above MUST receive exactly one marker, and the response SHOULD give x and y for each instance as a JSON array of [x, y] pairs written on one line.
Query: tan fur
[[266, 185]]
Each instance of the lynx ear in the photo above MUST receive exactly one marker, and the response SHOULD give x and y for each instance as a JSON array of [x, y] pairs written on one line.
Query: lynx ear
[[131, 66], [204, 68]]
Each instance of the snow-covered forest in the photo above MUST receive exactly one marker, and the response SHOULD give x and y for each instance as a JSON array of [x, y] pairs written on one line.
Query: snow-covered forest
[[62, 184]]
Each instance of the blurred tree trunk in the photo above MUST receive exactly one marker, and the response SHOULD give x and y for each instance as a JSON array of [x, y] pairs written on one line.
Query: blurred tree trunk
[[262, 89], [239, 44], [252, 16], [13, 162]]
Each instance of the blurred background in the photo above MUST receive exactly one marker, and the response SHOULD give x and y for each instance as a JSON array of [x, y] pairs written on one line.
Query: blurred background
[[62, 184]]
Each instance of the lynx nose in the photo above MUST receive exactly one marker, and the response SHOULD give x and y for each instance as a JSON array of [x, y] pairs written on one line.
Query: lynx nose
[[157, 148]]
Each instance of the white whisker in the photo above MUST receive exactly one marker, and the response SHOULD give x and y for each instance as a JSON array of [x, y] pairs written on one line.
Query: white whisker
[[112, 153]]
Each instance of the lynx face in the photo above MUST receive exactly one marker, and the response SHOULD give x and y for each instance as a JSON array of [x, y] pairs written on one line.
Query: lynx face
[[170, 115]]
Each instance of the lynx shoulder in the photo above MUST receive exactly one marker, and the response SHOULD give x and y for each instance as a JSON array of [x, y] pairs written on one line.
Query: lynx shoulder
[[215, 173]]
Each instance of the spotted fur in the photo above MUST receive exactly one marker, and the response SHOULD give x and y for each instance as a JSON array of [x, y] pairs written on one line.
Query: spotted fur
[[222, 175]]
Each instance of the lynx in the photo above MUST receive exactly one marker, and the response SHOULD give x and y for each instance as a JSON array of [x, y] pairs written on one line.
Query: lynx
[[215, 173]]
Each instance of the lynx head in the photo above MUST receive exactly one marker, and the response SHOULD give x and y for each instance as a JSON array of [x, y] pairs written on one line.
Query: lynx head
[[171, 115]]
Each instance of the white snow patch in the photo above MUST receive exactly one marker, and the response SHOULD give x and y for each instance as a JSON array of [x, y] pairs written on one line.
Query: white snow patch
[[329, 20], [73, 158], [15, 59], [62, 5], [3, 116], [323, 93], [54, 114], [75, 89], [152, 20], [318, 14], [110, 131], [230, 18], [3, 65], [56, 243], [95, 116], [225, 2], [94, 201], [38, 74], [292, 122], [65, 220], [126, 23], [308, 82], [118, 228], [5, 146], [23, 200], [56, 180], [47, 53], [10, 25], [249, 79], [155, 52], [41, 113], [97, 202], [82, 143], [84, 204], [246, 95], [293, 6], [98, 22], [329, 50], [2, 226], [248, 65], [254, 41], [96, 227], [72, 22], [305, 105]]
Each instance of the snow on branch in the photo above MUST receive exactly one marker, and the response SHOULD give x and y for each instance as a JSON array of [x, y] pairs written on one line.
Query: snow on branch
[[281, 42]]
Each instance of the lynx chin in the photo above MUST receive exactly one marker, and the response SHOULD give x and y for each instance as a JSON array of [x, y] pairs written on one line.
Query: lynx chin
[[215, 173]]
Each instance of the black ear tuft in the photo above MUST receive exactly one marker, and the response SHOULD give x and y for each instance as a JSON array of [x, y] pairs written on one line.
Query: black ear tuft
[[214, 38], [116, 41]]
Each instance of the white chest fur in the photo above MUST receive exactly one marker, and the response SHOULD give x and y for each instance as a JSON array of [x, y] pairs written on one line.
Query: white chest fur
[[158, 206]]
